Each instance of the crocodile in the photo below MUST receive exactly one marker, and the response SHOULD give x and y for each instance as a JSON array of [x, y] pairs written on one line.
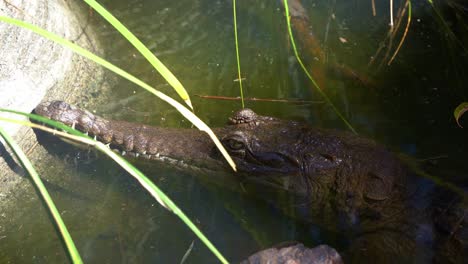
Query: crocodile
[[346, 183]]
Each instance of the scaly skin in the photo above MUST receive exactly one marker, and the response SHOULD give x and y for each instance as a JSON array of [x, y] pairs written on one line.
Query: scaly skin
[[166, 144], [342, 181]]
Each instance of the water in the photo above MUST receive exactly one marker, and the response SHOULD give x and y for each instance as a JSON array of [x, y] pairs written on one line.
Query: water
[[113, 220]]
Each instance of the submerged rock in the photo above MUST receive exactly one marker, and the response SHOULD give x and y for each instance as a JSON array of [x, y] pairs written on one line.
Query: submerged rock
[[296, 254]]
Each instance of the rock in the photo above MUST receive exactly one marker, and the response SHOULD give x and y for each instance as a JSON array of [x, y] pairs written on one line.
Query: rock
[[295, 254], [33, 68]]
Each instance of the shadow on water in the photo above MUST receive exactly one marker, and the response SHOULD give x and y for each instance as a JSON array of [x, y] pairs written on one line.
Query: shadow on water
[[113, 220]]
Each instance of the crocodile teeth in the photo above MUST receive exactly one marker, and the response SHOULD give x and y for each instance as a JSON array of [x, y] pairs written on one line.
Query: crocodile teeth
[[137, 154], [123, 153], [73, 125], [144, 153]]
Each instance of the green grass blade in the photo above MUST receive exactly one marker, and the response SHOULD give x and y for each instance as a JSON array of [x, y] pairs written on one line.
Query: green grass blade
[[85, 53], [162, 198], [321, 92], [72, 251], [157, 64], [237, 52]]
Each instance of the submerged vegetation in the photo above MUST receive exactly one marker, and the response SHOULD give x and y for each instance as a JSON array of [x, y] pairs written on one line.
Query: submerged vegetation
[[385, 55]]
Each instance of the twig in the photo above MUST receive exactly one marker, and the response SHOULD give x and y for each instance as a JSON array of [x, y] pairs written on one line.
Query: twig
[[443, 156], [291, 101], [187, 253], [374, 13], [401, 12], [408, 4], [21, 11], [391, 13], [389, 38]]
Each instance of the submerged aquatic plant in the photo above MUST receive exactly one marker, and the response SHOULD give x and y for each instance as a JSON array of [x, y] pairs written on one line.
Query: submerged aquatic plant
[[388, 41], [299, 60], [407, 6], [445, 25]]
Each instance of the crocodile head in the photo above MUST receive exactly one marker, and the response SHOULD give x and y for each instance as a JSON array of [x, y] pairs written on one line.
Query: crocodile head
[[281, 154], [261, 144], [315, 160]]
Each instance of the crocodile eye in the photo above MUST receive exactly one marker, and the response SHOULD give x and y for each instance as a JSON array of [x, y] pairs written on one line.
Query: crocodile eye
[[59, 105], [235, 144]]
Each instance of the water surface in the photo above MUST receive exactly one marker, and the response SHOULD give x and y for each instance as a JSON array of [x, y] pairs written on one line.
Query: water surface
[[113, 220]]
